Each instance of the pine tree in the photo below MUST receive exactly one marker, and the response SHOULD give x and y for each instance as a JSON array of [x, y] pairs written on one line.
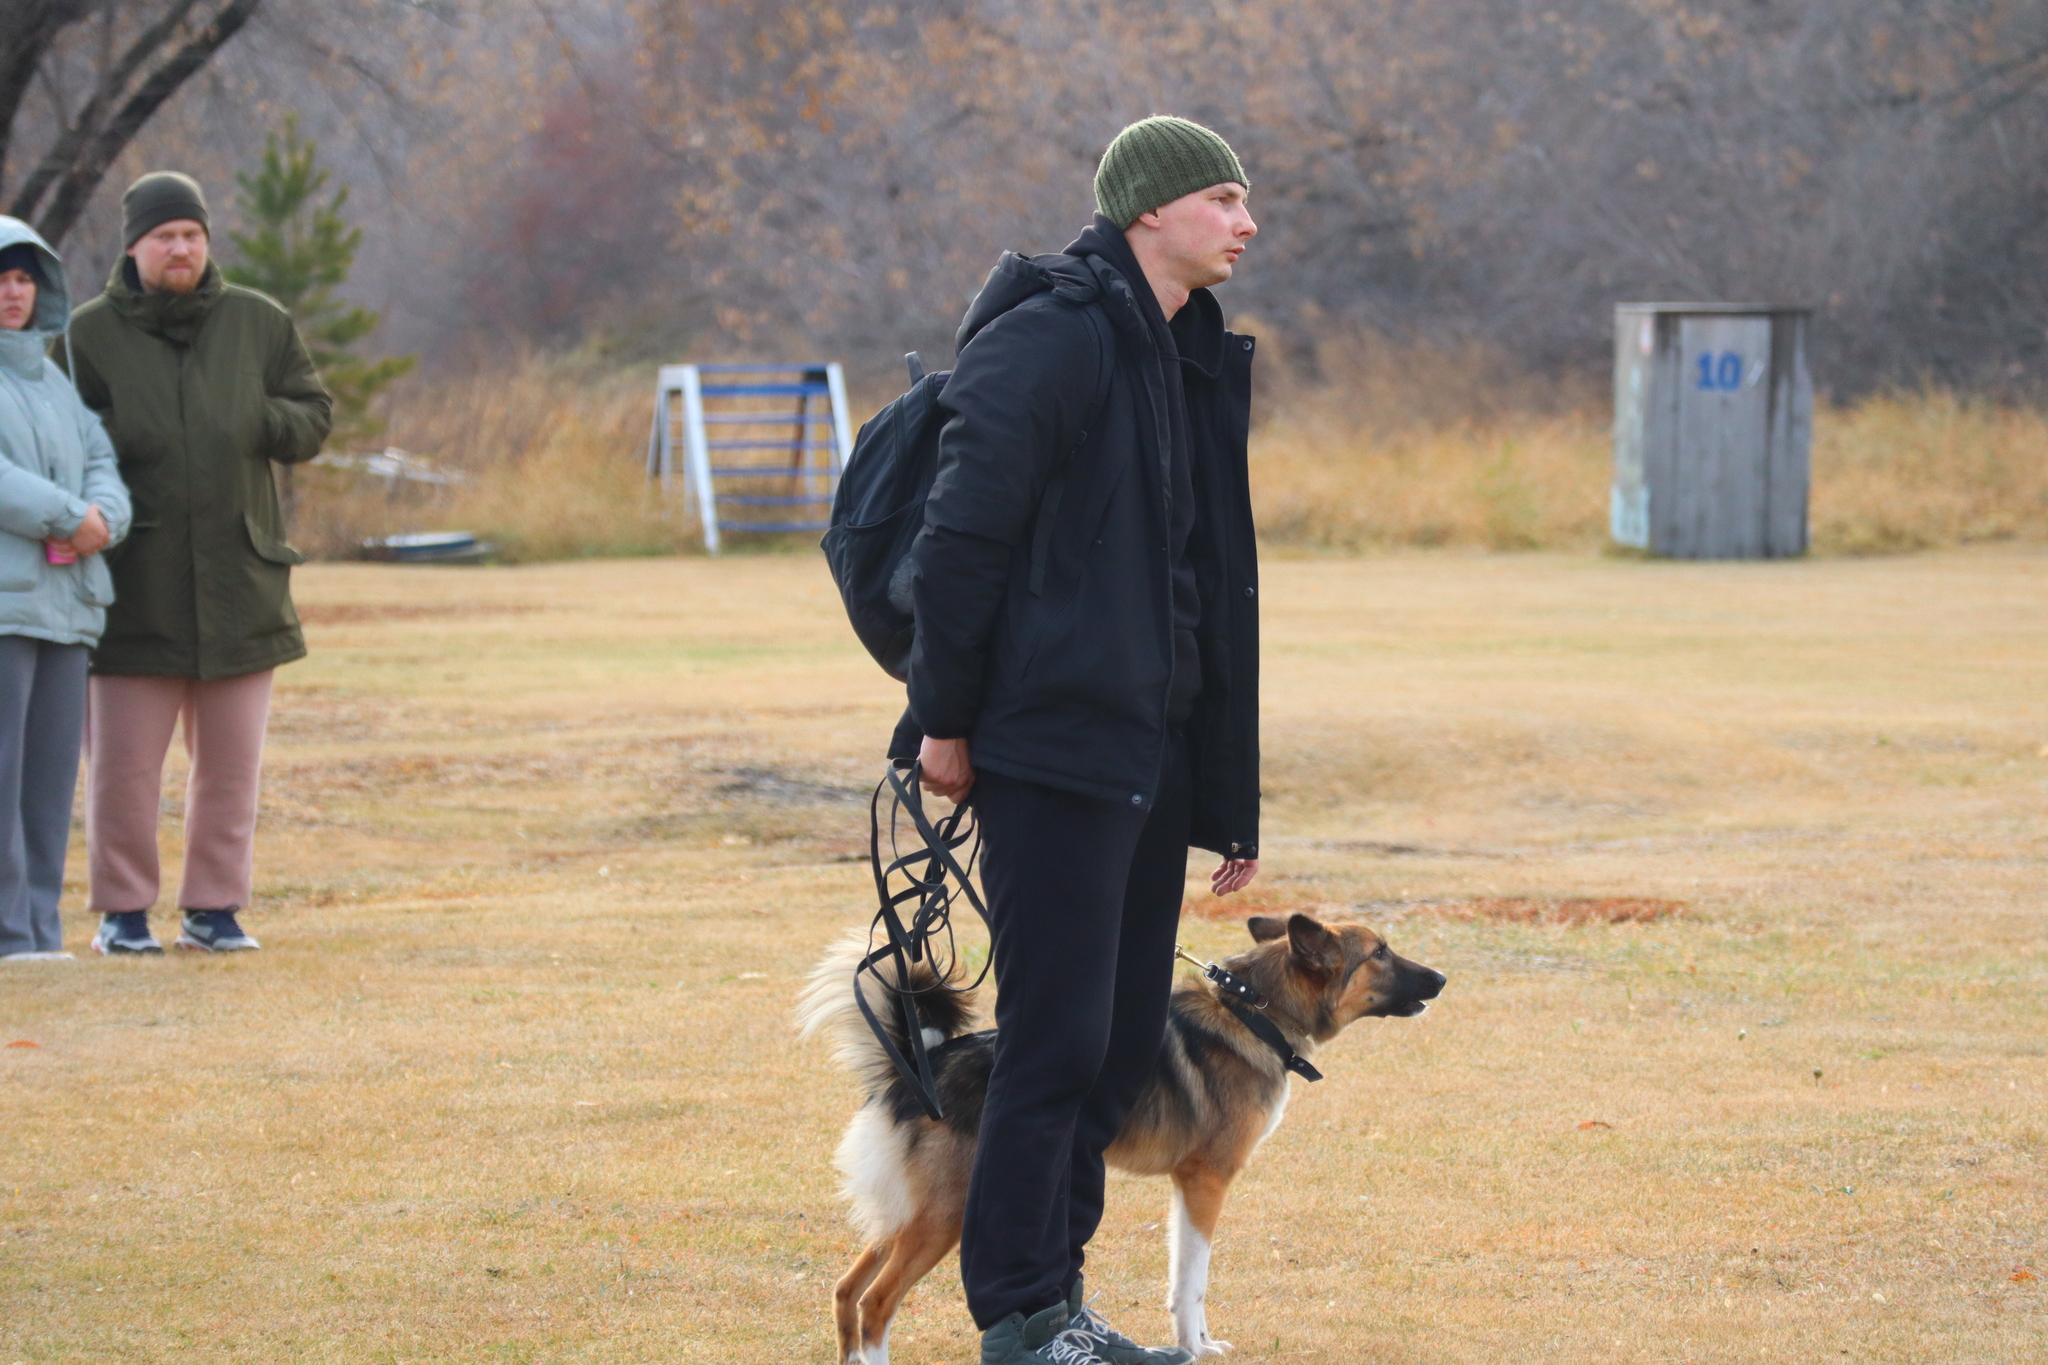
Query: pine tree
[[299, 251]]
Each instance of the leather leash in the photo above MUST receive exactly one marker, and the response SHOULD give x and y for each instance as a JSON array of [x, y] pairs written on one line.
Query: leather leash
[[933, 876]]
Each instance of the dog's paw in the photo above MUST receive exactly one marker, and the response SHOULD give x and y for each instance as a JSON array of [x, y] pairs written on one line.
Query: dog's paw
[[1209, 1346]]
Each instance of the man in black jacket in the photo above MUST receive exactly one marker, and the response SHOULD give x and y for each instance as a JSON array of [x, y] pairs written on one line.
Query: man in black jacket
[[1086, 664]]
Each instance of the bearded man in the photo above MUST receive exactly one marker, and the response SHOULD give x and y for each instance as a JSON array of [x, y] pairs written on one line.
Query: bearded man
[[202, 386]]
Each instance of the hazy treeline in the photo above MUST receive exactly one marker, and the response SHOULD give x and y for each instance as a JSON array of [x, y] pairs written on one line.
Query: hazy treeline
[[660, 176]]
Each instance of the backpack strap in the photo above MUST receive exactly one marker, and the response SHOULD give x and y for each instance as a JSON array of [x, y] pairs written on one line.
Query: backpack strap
[[1049, 507]]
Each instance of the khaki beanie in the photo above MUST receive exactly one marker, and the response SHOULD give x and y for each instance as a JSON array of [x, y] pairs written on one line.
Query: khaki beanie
[[1157, 160], [158, 198]]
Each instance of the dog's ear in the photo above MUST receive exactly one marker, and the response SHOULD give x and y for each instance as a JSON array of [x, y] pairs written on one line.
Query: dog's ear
[[1315, 948], [1265, 928]]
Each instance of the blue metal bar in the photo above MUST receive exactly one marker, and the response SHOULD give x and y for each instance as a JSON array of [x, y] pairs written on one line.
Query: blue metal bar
[[764, 368], [767, 419], [762, 500], [766, 390], [771, 445], [768, 471], [732, 367], [775, 526]]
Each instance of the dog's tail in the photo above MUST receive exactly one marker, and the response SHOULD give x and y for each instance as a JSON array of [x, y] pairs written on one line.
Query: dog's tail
[[828, 1006]]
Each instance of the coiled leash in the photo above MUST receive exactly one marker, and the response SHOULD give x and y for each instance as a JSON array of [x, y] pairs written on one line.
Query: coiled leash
[[931, 874], [1237, 994]]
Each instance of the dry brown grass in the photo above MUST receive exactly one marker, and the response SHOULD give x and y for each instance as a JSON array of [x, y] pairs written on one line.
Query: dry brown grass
[[547, 850], [1395, 448], [1321, 480], [554, 454], [1910, 471], [1418, 448]]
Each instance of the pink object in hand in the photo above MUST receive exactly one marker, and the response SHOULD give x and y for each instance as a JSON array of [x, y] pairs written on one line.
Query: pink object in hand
[[58, 553]]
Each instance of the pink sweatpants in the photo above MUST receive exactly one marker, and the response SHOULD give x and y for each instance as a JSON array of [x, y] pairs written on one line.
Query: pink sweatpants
[[127, 733]]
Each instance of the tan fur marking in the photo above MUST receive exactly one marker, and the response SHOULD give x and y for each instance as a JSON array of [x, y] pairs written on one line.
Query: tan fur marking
[[919, 1245], [846, 1294], [1202, 1188], [1368, 984]]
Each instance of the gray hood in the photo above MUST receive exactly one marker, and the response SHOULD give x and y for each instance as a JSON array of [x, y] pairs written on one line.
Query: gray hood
[[23, 351]]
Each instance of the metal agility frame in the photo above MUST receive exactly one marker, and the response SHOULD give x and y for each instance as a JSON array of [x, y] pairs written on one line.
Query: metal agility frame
[[783, 439]]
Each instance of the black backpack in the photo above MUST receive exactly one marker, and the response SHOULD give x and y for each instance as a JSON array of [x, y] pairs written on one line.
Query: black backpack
[[879, 508]]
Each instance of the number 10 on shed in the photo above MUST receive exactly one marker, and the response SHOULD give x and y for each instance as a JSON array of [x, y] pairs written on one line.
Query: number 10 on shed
[[1713, 414]]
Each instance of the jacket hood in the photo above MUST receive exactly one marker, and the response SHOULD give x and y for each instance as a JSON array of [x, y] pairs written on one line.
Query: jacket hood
[[53, 294], [1097, 262], [1017, 278], [174, 317], [22, 353], [1105, 239]]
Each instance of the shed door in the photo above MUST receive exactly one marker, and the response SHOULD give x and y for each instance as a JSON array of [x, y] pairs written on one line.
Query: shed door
[[1723, 438]]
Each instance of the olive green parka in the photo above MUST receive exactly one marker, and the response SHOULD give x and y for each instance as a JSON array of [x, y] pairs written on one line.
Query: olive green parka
[[200, 393]]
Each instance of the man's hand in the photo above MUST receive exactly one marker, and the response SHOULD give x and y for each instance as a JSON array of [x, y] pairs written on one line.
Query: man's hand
[[92, 535], [1233, 874], [945, 768]]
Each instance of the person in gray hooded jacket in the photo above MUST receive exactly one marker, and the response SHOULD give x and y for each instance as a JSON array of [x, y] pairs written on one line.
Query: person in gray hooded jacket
[[62, 504]]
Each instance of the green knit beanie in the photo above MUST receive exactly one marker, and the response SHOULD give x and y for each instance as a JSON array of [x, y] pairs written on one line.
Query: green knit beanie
[[1157, 160], [158, 198]]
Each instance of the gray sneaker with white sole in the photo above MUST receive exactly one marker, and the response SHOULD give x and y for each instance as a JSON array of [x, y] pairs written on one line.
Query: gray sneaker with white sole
[[215, 931], [125, 934], [1090, 1329], [1040, 1339]]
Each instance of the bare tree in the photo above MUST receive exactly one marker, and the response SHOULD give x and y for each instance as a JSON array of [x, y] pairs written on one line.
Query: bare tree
[[139, 55]]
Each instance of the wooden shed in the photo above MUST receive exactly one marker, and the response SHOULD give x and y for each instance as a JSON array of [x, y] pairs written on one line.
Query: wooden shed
[[1713, 418]]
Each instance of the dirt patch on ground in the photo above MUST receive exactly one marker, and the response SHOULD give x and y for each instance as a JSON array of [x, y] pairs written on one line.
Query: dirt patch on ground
[[1276, 898], [1572, 910], [781, 789]]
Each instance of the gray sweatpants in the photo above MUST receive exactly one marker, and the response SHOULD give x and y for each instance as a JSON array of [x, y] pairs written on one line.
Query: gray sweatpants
[[42, 724]]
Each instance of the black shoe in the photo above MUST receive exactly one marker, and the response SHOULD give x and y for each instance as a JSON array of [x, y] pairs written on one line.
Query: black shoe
[[1090, 1329], [125, 933], [215, 931], [1037, 1340]]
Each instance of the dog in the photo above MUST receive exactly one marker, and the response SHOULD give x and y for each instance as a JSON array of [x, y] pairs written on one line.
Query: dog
[[1217, 1093]]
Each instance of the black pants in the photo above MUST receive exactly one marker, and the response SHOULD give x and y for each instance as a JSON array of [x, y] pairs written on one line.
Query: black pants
[[1084, 900]]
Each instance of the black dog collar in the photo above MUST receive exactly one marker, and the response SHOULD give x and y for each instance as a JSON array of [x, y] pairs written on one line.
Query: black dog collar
[[1242, 999]]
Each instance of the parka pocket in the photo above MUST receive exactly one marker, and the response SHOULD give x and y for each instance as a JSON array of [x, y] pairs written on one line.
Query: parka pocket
[[96, 584], [268, 607], [270, 547], [21, 562], [1054, 622]]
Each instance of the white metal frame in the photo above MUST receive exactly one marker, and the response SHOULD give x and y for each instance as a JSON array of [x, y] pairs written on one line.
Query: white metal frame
[[686, 382]]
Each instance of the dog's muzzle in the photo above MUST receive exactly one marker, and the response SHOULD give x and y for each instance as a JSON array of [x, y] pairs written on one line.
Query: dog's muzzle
[[1417, 988]]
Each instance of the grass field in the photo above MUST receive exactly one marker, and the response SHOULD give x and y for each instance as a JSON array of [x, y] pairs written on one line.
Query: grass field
[[547, 850]]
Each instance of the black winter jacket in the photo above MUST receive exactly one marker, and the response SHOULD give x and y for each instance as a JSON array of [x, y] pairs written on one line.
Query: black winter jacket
[[1068, 686]]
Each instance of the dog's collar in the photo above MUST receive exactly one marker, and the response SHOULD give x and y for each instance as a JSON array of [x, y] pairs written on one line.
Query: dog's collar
[[1242, 999]]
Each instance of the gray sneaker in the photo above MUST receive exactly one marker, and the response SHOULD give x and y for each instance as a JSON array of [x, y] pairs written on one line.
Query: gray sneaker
[[1090, 1329], [125, 933], [1040, 1339], [215, 931]]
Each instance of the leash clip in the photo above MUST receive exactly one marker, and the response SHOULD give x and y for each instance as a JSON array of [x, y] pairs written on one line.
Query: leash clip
[[1226, 980]]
